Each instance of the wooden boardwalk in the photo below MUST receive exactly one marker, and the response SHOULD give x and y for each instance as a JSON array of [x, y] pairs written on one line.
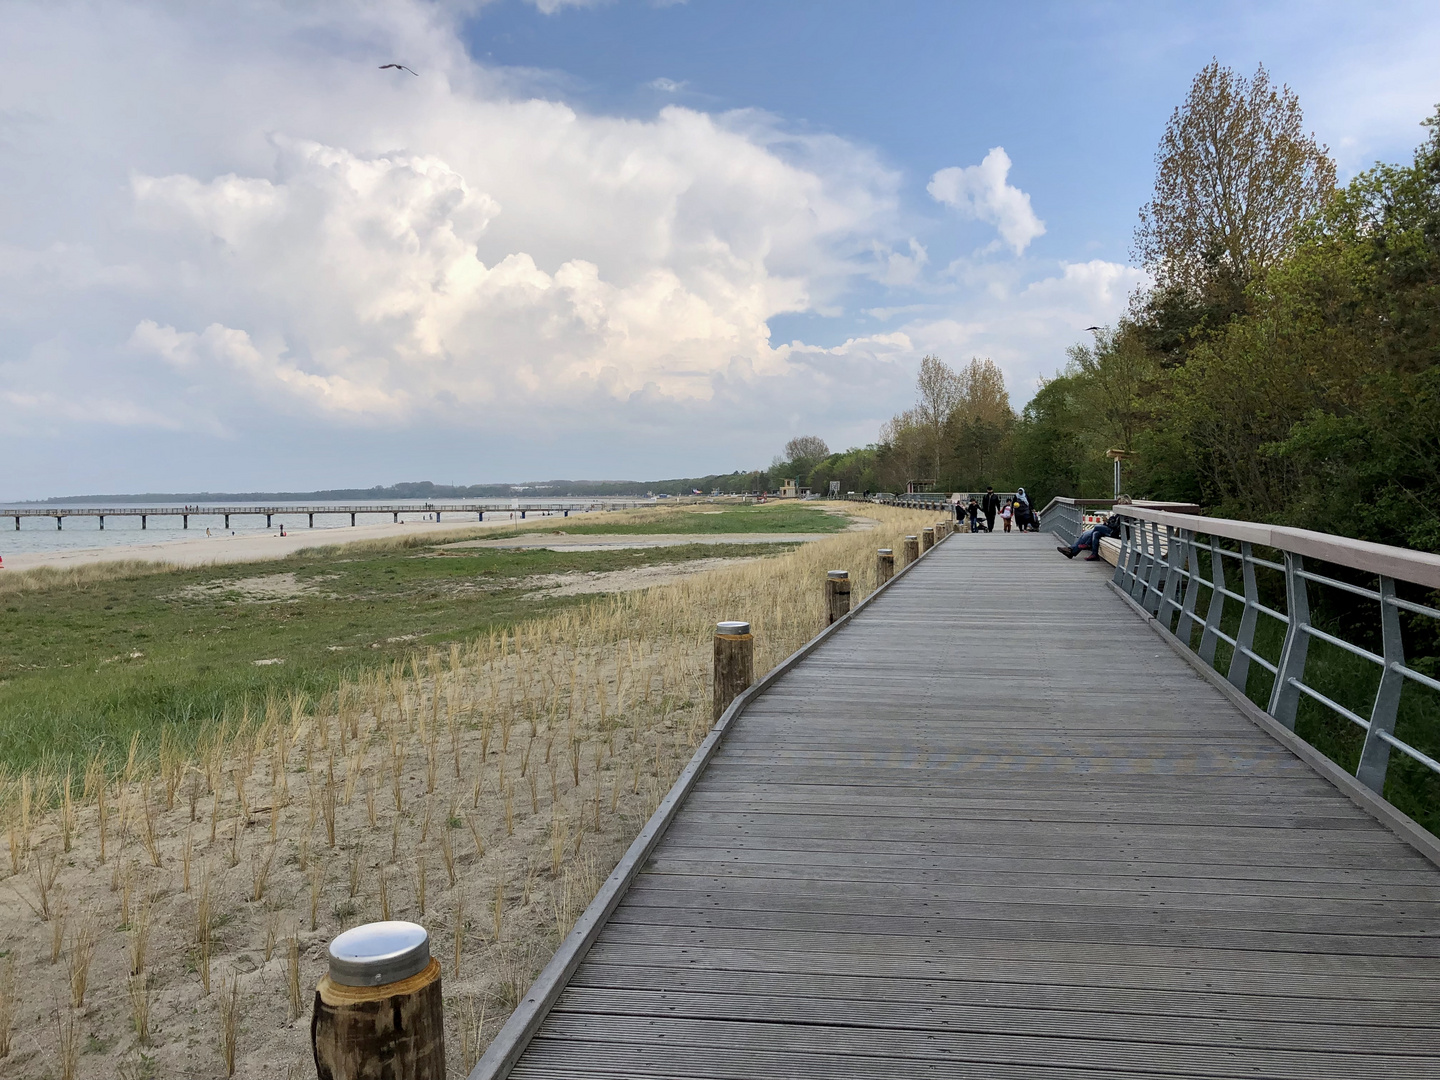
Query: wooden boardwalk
[[996, 828]]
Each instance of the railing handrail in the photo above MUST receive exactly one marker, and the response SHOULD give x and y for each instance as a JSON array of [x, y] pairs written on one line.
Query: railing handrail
[[1173, 507], [1417, 567]]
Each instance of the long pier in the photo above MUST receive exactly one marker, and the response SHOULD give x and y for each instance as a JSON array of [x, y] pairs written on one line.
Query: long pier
[[1001, 824], [269, 513]]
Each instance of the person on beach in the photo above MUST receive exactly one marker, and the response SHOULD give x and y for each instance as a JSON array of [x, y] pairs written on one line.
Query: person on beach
[[1007, 513], [990, 506]]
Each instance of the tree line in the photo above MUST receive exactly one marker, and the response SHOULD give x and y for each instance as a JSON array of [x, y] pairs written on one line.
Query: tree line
[[1283, 365]]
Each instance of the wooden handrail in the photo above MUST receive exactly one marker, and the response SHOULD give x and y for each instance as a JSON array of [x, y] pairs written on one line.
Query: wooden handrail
[[1418, 567]]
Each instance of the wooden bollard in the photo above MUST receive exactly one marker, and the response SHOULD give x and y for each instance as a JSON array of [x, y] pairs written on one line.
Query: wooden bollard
[[884, 565], [927, 538], [912, 549], [837, 595], [378, 1011], [734, 664]]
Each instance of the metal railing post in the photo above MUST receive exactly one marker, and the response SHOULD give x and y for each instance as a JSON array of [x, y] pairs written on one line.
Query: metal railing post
[[1188, 618], [1216, 611], [1375, 755], [1239, 674], [1142, 563], [1174, 561], [1157, 568], [1123, 560], [1285, 695]]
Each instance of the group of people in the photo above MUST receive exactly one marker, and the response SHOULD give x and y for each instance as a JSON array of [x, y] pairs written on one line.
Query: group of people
[[1015, 511]]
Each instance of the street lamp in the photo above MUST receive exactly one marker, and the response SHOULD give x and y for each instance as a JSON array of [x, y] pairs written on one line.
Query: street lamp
[[1118, 456]]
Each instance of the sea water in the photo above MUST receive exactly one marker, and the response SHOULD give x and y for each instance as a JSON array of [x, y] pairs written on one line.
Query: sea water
[[38, 535]]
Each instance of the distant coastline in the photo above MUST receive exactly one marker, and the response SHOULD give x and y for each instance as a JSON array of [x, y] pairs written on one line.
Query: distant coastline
[[547, 489]]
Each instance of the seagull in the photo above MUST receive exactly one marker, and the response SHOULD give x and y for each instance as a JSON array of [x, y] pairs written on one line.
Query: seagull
[[402, 67], [1092, 328]]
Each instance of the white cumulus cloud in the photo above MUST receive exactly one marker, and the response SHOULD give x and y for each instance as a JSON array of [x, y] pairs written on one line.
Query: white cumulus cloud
[[985, 193]]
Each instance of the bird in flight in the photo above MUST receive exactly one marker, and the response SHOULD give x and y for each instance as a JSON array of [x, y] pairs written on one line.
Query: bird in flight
[[402, 67], [1092, 328]]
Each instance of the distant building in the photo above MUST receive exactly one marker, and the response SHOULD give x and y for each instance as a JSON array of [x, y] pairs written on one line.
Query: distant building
[[791, 490]]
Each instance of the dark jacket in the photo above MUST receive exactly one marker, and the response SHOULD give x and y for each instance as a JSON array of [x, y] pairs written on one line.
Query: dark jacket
[[990, 504]]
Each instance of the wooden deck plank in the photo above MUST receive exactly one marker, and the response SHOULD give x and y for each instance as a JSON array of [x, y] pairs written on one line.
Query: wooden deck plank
[[994, 828]]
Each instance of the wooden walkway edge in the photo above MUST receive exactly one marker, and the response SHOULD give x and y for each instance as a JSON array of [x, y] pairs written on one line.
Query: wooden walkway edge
[[990, 826]]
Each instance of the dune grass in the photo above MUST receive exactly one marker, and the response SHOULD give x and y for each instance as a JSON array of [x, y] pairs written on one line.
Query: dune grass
[[486, 788], [767, 518]]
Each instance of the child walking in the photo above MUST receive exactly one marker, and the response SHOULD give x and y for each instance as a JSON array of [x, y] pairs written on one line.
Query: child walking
[[1007, 513]]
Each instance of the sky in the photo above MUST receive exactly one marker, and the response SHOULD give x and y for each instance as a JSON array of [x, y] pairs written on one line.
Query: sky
[[603, 240]]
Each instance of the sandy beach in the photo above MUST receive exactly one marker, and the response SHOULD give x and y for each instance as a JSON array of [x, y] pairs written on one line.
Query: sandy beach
[[241, 547]]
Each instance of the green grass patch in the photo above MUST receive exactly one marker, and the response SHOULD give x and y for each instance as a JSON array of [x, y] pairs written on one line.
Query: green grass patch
[[771, 518], [85, 665]]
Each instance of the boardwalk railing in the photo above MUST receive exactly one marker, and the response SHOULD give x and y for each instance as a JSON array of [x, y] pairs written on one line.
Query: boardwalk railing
[[1066, 517], [1183, 570]]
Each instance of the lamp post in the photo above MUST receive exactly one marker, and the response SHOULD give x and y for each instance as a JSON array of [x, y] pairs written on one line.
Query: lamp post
[[1118, 456]]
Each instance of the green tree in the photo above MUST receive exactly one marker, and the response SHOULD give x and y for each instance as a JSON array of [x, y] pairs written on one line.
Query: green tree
[[1236, 175]]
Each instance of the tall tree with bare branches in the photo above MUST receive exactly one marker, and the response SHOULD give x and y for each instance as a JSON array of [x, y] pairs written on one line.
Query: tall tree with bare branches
[[940, 391]]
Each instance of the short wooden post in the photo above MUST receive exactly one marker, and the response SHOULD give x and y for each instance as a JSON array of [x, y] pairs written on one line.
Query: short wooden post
[[912, 549], [734, 664], [927, 538], [837, 595], [884, 565], [379, 1011]]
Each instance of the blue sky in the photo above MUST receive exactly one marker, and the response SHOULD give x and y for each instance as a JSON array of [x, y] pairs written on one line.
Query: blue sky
[[601, 240]]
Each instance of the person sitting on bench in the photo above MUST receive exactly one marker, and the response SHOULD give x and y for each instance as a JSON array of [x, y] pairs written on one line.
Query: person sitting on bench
[[1091, 538]]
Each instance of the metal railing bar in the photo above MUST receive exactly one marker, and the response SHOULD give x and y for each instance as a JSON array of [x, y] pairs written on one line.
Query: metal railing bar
[[1238, 555], [1410, 605], [1224, 637], [1272, 613], [1228, 594], [1335, 705], [1358, 590], [1343, 644], [1411, 673], [1409, 751], [1253, 655]]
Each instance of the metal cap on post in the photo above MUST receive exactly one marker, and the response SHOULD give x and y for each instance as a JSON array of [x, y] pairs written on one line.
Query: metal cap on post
[[837, 595], [884, 565], [379, 1010], [378, 953], [734, 664]]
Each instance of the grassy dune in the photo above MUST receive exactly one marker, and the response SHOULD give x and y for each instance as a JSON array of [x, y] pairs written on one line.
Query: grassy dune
[[92, 655], [166, 914]]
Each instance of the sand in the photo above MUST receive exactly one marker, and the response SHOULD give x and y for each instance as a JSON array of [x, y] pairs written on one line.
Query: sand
[[242, 547], [581, 583]]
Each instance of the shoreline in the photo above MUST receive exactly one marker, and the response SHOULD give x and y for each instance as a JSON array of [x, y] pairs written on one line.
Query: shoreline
[[239, 548]]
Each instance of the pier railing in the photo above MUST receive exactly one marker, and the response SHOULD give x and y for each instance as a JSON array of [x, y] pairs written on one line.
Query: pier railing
[[1211, 581], [1066, 518]]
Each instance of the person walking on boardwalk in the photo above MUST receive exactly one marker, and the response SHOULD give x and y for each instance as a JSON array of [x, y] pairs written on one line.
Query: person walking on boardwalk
[[1007, 513], [1025, 513], [974, 511], [990, 506]]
